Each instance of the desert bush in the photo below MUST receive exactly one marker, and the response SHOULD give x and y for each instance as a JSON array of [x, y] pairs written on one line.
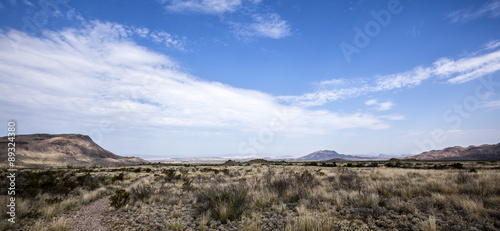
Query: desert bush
[[187, 185], [88, 197], [119, 199], [457, 165], [53, 200], [350, 179], [142, 192], [226, 172], [306, 180], [428, 225], [264, 198], [224, 203], [464, 178], [88, 181], [394, 164], [280, 185], [216, 171], [170, 174], [118, 177], [308, 220], [60, 224]]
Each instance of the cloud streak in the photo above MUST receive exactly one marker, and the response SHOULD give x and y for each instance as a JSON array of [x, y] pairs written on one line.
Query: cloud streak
[[259, 24], [451, 70], [268, 25], [78, 77], [382, 106], [490, 8], [203, 6]]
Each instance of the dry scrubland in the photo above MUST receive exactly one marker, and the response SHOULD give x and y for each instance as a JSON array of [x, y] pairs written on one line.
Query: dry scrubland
[[268, 196]]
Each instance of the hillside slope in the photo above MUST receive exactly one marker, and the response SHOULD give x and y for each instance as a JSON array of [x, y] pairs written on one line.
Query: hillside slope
[[324, 155], [62, 150], [483, 152]]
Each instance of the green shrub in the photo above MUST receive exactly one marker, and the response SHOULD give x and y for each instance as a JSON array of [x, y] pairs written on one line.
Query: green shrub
[[53, 200], [119, 199], [142, 192], [223, 203], [88, 181], [311, 164], [186, 186], [457, 165], [216, 171], [118, 177], [170, 174], [350, 179]]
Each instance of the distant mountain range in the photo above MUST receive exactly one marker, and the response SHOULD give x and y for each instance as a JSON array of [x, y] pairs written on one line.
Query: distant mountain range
[[483, 152], [324, 155], [60, 151], [321, 155], [75, 149]]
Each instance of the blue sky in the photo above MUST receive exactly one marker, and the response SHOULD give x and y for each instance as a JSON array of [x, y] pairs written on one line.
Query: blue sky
[[174, 78]]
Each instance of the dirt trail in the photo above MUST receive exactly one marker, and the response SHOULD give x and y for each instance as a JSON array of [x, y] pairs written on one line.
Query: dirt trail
[[89, 216]]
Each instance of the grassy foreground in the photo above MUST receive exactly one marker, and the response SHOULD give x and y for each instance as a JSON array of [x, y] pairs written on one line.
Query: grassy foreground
[[267, 196]]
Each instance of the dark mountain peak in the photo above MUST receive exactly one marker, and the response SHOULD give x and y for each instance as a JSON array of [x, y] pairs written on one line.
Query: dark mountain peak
[[63, 149], [322, 155]]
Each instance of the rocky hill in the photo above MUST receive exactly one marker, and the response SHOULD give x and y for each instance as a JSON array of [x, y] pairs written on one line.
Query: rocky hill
[[39, 150], [483, 152], [324, 155]]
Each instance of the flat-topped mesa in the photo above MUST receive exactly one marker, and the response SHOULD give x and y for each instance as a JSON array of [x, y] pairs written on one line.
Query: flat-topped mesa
[[62, 150]]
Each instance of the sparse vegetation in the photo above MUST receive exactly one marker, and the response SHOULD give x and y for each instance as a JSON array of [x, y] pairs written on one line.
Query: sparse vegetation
[[391, 195], [120, 198]]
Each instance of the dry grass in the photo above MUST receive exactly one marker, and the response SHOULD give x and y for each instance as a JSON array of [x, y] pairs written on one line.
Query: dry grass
[[315, 198], [286, 197]]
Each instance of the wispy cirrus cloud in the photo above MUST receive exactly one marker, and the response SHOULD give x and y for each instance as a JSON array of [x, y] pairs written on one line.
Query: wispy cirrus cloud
[[77, 77], [202, 6], [265, 25], [490, 8], [453, 71], [159, 37], [379, 106], [491, 104], [258, 24]]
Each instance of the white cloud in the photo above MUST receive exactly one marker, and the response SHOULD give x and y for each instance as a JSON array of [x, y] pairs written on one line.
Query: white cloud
[[268, 25], [332, 82], [453, 71], [371, 102], [142, 32], [28, 3], [491, 104], [490, 8], [78, 77], [493, 45], [203, 6], [383, 106], [265, 25], [162, 37]]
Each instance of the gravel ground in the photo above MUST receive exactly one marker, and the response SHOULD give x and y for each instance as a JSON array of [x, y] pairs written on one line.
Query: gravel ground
[[89, 216]]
